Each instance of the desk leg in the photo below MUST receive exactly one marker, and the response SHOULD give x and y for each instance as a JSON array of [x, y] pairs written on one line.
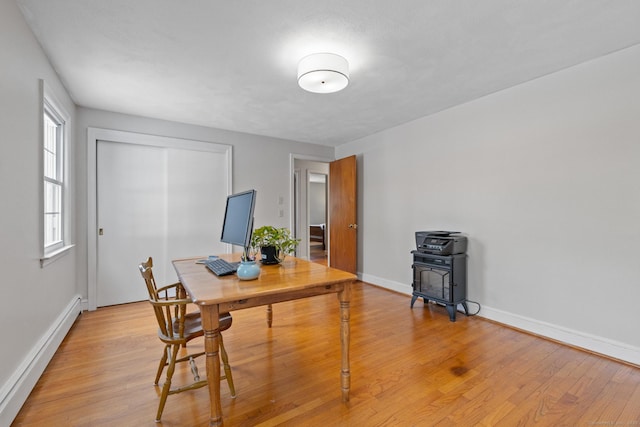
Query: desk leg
[[345, 375], [211, 327]]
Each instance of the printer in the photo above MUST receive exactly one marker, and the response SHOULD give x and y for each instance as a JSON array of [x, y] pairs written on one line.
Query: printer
[[441, 242]]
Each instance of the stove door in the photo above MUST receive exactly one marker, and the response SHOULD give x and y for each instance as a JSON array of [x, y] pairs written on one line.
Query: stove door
[[432, 282]]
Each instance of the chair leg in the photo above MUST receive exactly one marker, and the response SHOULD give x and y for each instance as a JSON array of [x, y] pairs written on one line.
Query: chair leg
[[167, 384], [163, 362], [227, 368]]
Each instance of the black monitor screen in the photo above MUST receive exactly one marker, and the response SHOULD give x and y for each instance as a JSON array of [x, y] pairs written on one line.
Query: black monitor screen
[[238, 219]]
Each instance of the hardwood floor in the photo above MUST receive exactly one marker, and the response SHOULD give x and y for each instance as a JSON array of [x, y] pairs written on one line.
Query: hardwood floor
[[409, 367], [317, 254]]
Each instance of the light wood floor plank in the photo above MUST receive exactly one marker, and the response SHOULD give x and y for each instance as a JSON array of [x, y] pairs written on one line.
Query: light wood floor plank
[[409, 367]]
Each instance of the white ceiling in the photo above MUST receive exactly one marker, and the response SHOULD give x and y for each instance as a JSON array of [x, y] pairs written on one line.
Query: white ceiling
[[232, 64]]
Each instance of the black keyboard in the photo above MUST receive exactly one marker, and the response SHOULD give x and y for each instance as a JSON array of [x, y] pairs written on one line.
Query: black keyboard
[[221, 267]]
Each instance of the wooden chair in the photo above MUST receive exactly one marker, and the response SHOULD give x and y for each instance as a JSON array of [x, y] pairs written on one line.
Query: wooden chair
[[176, 328]]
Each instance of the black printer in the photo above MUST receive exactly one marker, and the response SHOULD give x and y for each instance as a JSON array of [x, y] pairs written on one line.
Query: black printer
[[441, 242]]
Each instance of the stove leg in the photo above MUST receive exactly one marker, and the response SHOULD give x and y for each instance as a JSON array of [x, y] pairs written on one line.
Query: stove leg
[[452, 312], [413, 299]]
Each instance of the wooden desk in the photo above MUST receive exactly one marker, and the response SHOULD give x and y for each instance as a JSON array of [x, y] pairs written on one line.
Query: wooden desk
[[293, 279]]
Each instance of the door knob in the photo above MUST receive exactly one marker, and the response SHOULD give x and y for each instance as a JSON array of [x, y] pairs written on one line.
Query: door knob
[[354, 226]]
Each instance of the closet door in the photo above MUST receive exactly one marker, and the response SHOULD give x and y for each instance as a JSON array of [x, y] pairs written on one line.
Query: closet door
[[197, 188], [162, 202], [132, 219]]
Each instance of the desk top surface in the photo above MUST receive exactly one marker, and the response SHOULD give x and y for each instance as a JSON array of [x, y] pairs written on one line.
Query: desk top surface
[[293, 274]]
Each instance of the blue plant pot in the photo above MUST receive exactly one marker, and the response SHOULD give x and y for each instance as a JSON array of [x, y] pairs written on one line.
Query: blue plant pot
[[248, 270]]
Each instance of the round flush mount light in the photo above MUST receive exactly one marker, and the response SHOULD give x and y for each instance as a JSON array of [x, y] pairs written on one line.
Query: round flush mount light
[[323, 73]]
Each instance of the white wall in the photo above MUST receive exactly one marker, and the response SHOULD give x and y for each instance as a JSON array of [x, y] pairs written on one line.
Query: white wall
[[32, 298], [259, 162], [544, 178]]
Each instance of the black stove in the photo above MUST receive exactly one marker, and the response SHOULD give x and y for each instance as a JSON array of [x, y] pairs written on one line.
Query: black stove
[[440, 270]]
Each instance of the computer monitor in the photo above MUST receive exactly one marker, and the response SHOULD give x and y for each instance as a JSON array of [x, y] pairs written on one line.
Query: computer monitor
[[238, 219]]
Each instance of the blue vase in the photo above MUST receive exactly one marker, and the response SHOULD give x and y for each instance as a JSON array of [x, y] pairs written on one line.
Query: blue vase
[[248, 270]]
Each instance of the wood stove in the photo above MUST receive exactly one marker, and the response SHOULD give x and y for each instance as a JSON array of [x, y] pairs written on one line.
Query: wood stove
[[442, 279]]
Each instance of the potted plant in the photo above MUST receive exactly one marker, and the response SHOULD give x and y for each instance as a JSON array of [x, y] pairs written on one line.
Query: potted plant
[[274, 243]]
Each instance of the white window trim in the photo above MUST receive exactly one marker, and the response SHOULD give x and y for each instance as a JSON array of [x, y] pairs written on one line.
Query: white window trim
[[51, 255]]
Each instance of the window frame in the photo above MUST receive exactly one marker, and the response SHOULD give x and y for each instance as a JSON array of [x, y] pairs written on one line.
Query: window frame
[[53, 109]]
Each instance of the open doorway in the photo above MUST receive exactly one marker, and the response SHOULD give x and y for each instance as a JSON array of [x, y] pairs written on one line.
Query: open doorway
[[317, 198], [310, 209], [341, 219]]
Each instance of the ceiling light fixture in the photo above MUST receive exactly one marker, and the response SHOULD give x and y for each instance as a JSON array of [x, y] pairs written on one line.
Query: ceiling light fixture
[[323, 73]]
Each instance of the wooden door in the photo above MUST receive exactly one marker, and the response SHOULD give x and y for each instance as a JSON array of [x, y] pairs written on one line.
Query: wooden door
[[343, 236]]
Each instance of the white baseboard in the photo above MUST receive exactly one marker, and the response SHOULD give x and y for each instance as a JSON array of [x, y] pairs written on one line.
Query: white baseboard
[[596, 344], [15, 391], [402, 288]]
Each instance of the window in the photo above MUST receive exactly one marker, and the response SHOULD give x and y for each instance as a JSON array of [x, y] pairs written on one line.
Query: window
[[55, 122], [53, 179]]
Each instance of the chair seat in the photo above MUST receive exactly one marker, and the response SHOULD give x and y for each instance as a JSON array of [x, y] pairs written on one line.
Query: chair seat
[[193, 325]]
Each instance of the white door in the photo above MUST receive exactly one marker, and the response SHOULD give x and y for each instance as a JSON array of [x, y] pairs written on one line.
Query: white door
[[197, 187], [154, 201]]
